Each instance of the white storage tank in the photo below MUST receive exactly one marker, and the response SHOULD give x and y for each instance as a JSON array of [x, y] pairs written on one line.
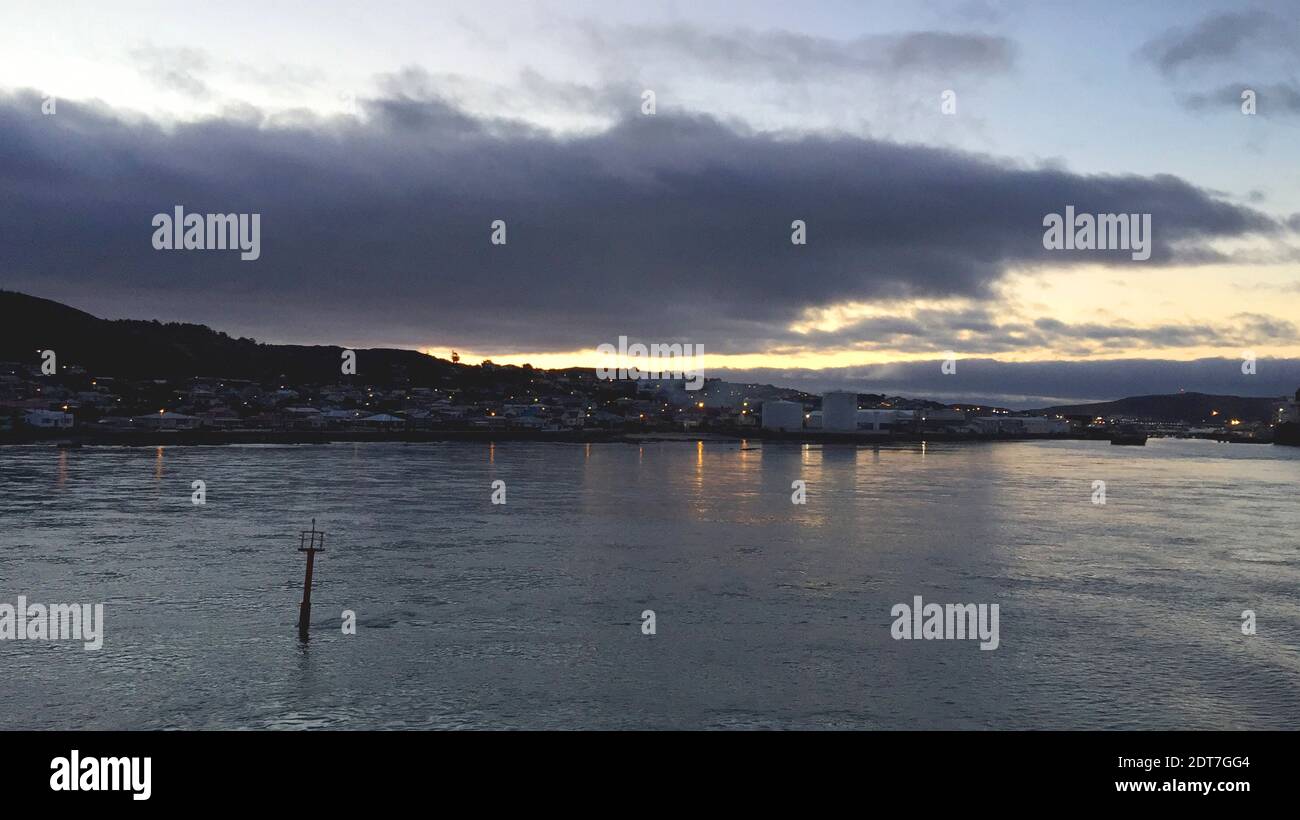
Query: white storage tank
[[840, 412], [786, 416], [877, 421]]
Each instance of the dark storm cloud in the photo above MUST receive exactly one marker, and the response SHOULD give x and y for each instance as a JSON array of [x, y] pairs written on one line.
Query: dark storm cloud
[[1038, 384], [666, 227]]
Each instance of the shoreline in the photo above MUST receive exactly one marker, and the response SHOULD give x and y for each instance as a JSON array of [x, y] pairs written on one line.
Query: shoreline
[[142, 438]]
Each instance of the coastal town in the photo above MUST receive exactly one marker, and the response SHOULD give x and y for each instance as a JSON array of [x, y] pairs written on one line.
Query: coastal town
[[77, 404]]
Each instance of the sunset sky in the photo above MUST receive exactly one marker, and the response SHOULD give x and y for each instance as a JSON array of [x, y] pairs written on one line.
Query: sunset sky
[[379, 143]]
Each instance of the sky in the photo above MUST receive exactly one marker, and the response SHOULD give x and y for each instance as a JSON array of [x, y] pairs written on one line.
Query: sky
[[379, 142]]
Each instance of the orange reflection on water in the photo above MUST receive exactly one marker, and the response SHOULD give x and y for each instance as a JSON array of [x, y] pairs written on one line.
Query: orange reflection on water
[[62, 477], [807, 455], [158, 464], [698, 483]]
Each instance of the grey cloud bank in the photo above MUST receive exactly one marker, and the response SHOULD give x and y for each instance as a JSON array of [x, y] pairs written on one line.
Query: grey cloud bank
[[797, 57], [1214, 39], [659, 227], [1024, 385], [980, 331], [1261, 48]]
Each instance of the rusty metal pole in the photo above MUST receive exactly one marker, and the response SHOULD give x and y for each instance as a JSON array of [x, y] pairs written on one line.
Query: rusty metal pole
[[309, 547]]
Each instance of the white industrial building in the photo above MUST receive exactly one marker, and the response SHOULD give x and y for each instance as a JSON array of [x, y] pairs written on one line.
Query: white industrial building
[[840, 412], [882, 421], [785, 416], [1020, 425], [942, 415], [168, 421], [1042, 426], [48, 418]]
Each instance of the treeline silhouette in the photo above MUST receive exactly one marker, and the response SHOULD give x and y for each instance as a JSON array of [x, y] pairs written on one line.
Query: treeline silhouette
[[139, 349]]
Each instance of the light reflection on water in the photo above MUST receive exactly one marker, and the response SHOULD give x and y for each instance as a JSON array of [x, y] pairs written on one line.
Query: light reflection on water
[[768, 613]]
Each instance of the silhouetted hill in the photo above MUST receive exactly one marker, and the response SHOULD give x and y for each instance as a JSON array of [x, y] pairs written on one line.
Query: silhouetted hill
[[1176, 407], [173, 350], [151, 349]]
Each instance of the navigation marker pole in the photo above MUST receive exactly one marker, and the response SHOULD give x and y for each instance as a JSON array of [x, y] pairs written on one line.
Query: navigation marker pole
[[308, 543]]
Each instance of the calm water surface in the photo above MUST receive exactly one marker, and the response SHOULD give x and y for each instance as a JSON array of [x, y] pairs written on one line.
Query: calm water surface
[[768, 614]]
